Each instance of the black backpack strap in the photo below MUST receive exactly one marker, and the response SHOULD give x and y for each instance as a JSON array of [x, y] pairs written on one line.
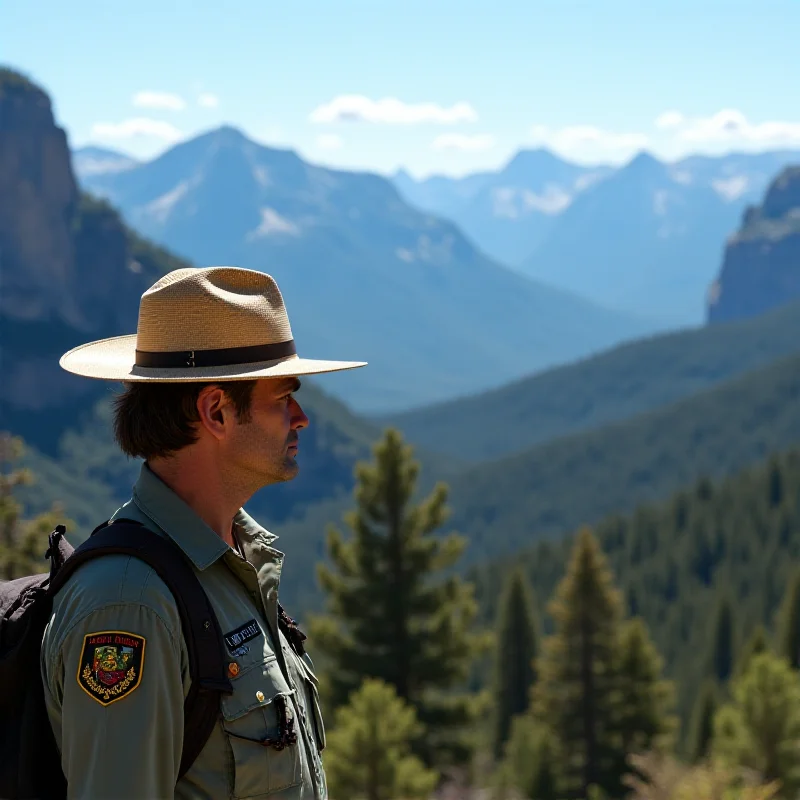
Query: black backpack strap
[[201, 628]]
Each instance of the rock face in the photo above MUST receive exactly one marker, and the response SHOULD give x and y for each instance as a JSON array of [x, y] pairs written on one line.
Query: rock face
[[37, 248], [69, 269], [761, 268]]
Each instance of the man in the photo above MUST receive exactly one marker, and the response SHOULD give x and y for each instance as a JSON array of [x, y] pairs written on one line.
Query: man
[[209, 405]]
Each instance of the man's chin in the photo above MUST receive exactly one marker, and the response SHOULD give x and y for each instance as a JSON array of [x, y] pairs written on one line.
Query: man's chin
[[290, 468]]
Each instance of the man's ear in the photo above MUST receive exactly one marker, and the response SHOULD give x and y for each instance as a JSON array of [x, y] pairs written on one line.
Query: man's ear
[[214, 409]]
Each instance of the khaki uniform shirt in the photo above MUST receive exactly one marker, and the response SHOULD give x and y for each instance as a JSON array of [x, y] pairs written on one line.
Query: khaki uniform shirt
[[115, 670]]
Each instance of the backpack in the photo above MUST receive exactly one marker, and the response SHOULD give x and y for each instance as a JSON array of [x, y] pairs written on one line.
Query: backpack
[[30, 764]]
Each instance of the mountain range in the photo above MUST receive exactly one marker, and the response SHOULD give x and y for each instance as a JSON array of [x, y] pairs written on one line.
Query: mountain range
[[646, 237], [365, 275], [507, 213]]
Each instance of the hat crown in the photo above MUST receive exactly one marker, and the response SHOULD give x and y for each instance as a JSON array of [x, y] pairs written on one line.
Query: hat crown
[[211, 308]]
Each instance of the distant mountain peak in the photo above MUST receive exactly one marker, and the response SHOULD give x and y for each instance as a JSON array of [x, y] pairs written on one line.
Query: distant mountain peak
[[533, 156], [645, 161]]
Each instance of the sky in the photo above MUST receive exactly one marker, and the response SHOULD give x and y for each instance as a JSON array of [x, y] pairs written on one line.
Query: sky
[[431, 86]]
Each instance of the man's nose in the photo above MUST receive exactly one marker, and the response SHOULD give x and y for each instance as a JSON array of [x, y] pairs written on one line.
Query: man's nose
[[299, 419]]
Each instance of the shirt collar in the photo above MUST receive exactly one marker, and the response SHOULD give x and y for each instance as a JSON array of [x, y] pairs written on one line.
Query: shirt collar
[[200, 543]]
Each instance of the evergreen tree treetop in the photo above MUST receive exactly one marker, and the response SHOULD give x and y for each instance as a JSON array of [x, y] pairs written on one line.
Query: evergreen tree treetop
[[368, 754], [760, 728], [516, 644], [396, 610]]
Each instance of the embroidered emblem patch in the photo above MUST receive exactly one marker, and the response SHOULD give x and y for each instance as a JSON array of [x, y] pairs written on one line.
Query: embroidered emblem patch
[[244, 633], [111, 665]]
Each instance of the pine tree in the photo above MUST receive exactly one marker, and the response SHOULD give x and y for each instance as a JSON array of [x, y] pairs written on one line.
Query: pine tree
[[722, 647], [788, 639], [368, 751], [392, 614], [701, 728], [530, 762], [757, 643], [589, 669], [646, 699], [517, 636], [760, 728]]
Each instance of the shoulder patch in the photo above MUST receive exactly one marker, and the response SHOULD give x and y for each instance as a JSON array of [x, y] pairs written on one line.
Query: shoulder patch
[[111, 665]]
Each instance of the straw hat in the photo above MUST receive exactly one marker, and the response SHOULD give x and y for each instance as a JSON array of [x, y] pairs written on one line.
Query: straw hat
[[206, 324]]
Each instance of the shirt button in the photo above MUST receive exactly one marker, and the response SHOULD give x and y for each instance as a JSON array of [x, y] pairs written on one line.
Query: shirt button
[[260, 696]]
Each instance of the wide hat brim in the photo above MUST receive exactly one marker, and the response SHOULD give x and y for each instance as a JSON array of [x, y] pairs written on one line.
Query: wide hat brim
[[115, 360]]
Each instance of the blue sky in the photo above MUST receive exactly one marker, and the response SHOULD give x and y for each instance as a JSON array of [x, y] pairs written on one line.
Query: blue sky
[[428, 85]]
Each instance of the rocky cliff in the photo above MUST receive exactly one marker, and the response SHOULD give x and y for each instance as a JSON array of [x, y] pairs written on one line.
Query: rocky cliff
[[761, 267], [69, 269]]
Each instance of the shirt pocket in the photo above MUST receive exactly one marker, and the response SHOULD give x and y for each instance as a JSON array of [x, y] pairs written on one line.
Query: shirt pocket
[[252, 717]]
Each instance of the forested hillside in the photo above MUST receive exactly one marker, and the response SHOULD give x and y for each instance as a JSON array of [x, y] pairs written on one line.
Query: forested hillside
[[676, 560], [506, 504]]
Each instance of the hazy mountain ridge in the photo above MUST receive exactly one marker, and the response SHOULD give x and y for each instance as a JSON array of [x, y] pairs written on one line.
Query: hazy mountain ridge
[[647, 236], [507, 213], [761, 268], [365, 275], [629, 379], [97, 160]]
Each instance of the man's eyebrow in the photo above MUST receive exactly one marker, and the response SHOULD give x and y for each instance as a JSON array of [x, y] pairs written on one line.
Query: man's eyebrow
[[296, 384]]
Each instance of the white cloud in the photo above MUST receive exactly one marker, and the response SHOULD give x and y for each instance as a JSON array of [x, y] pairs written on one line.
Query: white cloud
[[329, 141], [137, 126], [730, 125], [160, 100], [575, 138], [207, 100], [390, 111], [463, 142], [669, 119]]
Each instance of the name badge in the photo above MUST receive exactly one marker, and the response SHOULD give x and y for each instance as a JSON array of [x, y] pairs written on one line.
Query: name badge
[[241, 635]]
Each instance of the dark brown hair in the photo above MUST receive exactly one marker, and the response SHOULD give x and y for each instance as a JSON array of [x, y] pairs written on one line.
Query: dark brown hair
[[154, 420]]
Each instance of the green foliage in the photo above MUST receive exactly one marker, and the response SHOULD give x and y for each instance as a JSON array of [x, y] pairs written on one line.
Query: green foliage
[[673, 559], [23, 542], [788, 636], [760, 728], [394, 613], [599, 687], [515, 651], [722, 649], [701, 727], [368, 754], [645, 698], [633, 378], [757, 643], [529, 765]]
